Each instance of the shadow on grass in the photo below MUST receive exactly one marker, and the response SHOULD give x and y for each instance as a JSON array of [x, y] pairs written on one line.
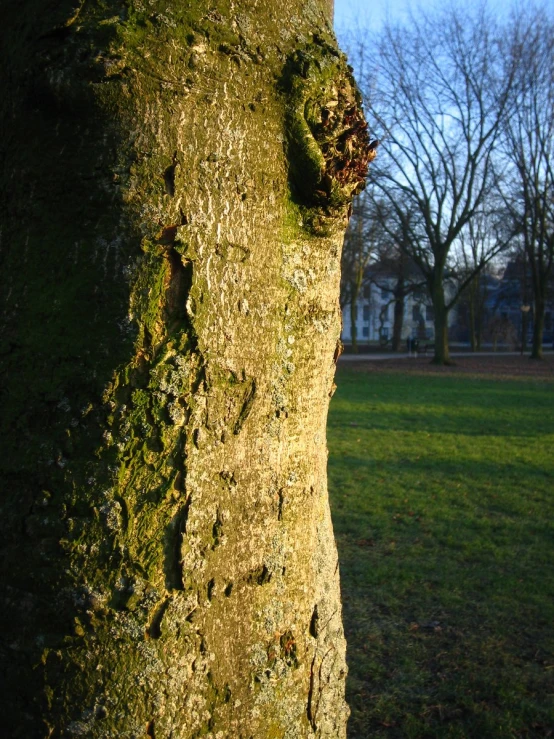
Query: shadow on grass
[[446, 545]]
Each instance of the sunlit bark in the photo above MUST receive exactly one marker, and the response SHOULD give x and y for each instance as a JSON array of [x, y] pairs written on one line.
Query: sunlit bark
[[175, 188]]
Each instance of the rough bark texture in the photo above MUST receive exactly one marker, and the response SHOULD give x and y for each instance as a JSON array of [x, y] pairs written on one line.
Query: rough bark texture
[[175, 188], [399, 305], [473, 297], [442, 350], [538, 328], [354, 317], [437, 293]]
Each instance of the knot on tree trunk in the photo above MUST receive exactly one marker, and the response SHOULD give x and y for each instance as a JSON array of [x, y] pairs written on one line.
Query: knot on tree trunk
[[326, 128]]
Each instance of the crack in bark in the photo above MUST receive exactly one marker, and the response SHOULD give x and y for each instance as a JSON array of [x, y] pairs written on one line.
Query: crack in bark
[[154, 630], [309, 712], [259, 576], [246, 408], [281, 495], [169, 177], [179, 285], [174, 540], [217, 529], [314, 623]]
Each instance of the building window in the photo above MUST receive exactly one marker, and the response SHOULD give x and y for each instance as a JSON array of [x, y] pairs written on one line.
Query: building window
[[365, 331], [429, 313], [416, 313], [366, 312], [367, 292], [385, 292]]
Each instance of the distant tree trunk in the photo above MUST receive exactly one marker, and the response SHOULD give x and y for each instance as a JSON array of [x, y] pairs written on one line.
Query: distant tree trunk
[[399, 303], [436, 290], [538, 327], [442, 351], [473, 288], [169, 318], [529, 132], [355, 290], [539, 278], [476, 300], [524, 330], [353, 321], [480, 315]]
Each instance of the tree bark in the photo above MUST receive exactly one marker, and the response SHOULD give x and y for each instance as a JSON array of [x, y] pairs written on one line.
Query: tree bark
[[353, 320], [174, 195], [399, 304], [355, 289], [473, 298], [442, 351], [541, 266], [398, 323], [538, 328]]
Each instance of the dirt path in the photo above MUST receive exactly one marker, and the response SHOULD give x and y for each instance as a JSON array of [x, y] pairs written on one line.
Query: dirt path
[[500, 366]]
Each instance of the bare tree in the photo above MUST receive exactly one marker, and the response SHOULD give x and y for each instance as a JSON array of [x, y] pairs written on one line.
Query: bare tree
[[394, 270], [529, 150], [436, 92], [484, 235]]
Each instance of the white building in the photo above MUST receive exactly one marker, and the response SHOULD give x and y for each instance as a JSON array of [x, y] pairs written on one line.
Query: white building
[[375, 315]]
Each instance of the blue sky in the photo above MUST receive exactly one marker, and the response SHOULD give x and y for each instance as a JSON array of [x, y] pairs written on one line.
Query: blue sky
[[371, 13], [366, 13]]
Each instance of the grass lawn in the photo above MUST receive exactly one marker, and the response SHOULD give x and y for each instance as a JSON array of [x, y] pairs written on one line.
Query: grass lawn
[[442, 492]]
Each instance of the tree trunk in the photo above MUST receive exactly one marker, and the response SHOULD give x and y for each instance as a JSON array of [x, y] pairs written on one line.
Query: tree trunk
[[354, 294], [353, 321], [480, 316], [473, 298], [539, 276], [442, 352], [538, 328], [169, 318], [398, 317]]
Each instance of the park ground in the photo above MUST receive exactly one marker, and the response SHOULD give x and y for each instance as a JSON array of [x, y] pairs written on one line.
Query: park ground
[[442, 492]]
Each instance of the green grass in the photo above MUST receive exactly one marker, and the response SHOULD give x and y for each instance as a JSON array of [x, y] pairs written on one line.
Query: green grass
[[442, 492]]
